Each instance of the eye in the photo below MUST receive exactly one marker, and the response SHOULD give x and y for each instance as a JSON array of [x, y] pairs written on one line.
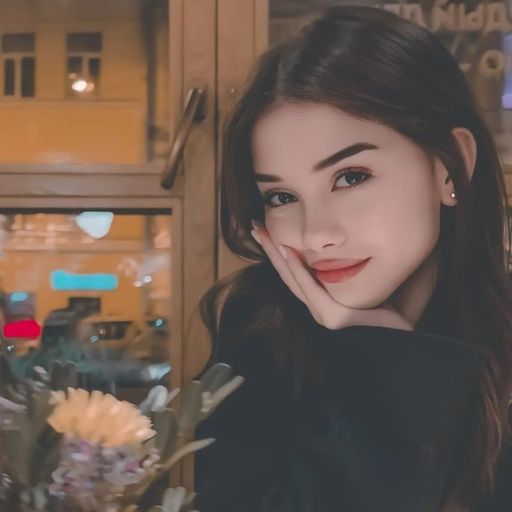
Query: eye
[[353, 177], [283, 197]]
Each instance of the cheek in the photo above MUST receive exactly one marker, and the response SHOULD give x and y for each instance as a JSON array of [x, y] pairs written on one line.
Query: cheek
[[282, 228], [407, 228]]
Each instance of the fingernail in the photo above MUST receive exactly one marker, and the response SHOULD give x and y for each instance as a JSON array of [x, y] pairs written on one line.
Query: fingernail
[[255, 236], [282, 250]]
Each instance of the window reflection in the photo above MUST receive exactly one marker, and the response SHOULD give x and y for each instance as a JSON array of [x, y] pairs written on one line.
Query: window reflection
[[118, 336], [84, 57], [84, 81], [18, 51]]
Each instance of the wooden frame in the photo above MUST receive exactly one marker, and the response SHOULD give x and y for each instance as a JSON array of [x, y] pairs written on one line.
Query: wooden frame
[[241, 30], [243, 36], [193, 51]]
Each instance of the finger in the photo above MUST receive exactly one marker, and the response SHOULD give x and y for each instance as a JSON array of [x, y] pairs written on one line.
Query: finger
[[278, 261], [315, 294]]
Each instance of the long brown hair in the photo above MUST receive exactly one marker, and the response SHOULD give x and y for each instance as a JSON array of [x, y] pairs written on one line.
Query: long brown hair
[[376, 66]]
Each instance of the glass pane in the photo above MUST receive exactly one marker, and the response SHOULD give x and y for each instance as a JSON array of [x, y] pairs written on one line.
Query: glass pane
[[90, 287], [18, 43], [74, 66], [84, 42], [119, 50], [481, 43], [94, 70], [79, 83], [28, 77], [9, 77]]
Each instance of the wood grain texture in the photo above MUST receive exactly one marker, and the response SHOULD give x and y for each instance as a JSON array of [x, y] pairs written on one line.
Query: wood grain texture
[[176, 105], [199, 241], [28, 186], [242, 35]]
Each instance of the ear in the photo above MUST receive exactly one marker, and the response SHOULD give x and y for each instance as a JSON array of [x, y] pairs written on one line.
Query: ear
[[467, 146]]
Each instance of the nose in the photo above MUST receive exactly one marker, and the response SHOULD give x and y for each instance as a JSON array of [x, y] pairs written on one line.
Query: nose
[[321, 229]]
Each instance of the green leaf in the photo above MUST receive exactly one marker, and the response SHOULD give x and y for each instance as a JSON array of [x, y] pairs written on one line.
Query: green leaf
[[40, 410], [173, 499], [156, 399], [165, 423], [190, 411], [215, 377]]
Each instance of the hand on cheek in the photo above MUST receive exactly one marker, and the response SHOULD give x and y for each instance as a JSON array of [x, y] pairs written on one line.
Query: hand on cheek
[[324, 309], [278, 257]]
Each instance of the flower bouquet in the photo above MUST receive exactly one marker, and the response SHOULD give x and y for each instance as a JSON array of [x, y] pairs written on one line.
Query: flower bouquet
[[67, 449]]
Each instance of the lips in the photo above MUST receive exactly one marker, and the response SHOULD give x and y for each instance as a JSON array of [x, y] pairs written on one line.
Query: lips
[[340, 274], [335, 264]]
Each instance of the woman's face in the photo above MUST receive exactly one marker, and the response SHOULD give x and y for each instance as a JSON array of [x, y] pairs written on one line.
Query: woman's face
[[381, 201]]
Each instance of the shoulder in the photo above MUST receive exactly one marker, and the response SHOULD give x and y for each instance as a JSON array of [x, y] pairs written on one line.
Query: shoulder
[[249, 316], [244, 338], [237, 343], [254, 413]]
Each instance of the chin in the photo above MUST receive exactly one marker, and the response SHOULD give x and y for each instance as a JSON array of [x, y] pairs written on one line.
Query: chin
[[357, 303], [362, 300]]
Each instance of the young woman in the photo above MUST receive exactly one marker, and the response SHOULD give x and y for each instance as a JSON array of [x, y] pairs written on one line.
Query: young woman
[[374, 331]]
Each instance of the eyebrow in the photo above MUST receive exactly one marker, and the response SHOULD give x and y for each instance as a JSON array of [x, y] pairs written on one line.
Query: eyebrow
[[352, 150]]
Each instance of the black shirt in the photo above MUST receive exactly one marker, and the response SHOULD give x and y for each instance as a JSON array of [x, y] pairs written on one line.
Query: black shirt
[[382, 430]]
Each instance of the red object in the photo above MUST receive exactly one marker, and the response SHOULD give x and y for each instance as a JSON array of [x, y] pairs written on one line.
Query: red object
[[337, 275], [22, 329]]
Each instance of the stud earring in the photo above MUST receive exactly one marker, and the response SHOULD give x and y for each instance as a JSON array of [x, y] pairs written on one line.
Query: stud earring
[[453, 195]]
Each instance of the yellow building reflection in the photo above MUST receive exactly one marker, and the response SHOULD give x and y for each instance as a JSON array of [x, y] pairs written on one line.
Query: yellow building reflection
[[82, 81]]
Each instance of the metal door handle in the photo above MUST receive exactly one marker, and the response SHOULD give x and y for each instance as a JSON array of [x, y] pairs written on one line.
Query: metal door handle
[[195, 112]]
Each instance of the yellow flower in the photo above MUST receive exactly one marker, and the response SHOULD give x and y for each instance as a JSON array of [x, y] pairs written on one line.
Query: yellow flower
[[98, 418]]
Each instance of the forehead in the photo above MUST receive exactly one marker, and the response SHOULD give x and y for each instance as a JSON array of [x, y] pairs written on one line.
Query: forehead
[[308, 132]]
